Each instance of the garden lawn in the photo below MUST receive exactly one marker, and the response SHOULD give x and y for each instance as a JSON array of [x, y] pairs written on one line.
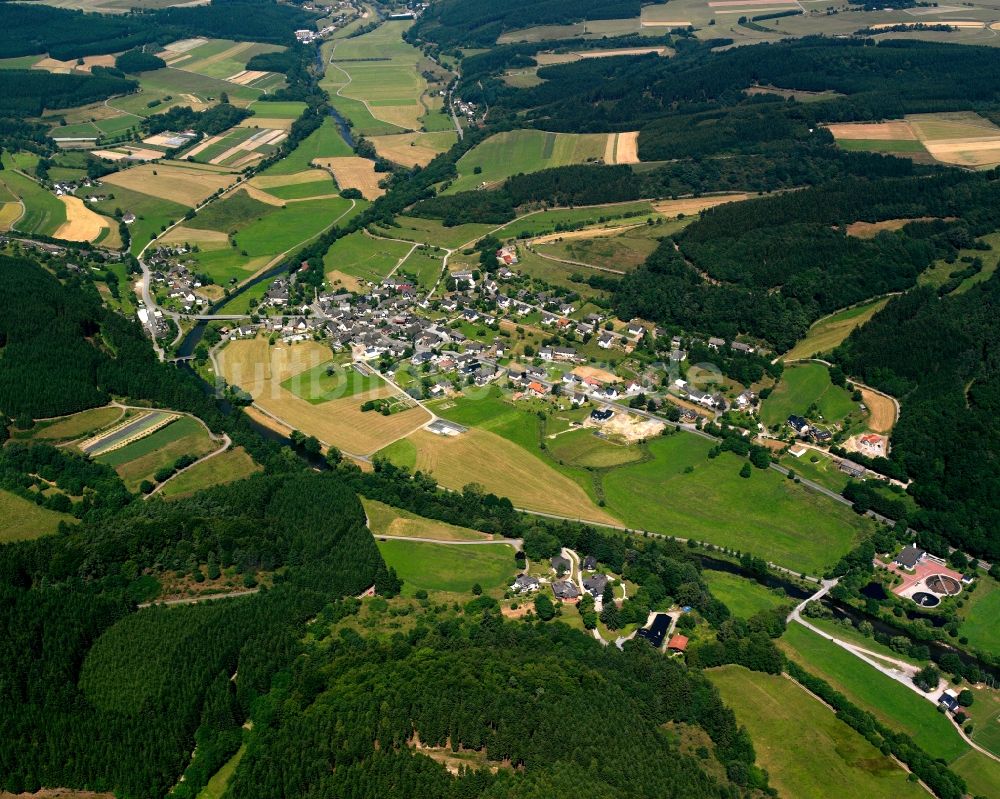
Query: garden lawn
[[743, 597], [21, 519], [802, 386], [766, 514], [316, 386], [389, 521], [806, 749], [443, 567]]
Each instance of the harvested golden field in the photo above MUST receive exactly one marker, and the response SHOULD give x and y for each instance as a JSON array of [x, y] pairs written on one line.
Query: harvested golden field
[[9, 214], [353, 172], [413, 149], [172, 182], [505, 469], [627, 148], [695, 205], [65, 67], [82, 224], [974, 152], [206, 239], [882, 411], [584, 233], [263, 196], [267, 122], [389, 521], [344, 280], [259, 369], [597, 374], [893, 130]]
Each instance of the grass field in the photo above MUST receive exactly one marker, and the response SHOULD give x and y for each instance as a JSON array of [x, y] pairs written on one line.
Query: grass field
[[824, 471], [79, 425], [806, 749], [432, 231], [140, 460], [378, 81], [362, 256], [306, 190], [584, 449], [980, 614], [613, 215], [389, 521], [827, 333], [21, 520], [893, 703], [225, 468], [316, 386], [768, 515], [43, 212], [217, 785], [622, 251], [516, 151], [939, 273], [234, 212], [424, 265], [152, 213], [802, 386], [742, 596], [455, 569], [324, 142]]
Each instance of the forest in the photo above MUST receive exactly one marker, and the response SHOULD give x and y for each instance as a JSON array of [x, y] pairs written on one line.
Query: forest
[[478, 24], [780, 262], [938, 356], [65, 34], [29, 92]]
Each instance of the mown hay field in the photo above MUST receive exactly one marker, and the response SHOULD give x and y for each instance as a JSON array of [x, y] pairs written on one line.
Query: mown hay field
[[353, 172], [505, 469], [21, 520], [186, 184], [414, 149], [260, 370], [389, 521], [82, 224], [829, 332], [78, 425]]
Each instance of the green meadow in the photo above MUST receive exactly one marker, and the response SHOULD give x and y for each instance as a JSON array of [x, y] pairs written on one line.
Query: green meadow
[[451, 568], [802, 386]]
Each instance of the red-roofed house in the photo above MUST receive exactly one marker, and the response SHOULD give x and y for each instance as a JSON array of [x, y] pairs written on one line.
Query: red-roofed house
[[536, 388], [677, 643]]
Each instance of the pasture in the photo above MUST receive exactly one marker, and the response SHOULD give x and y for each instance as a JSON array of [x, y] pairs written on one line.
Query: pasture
[[582, 448], [260, 370], [432, 231], [454, 569], [43, 212], [619, 250], [424, 265], [505, 154], [804, 386], [613, 215], [363, 256], [141, 459], [21, 520], [829, 332], [744, 597], [805, 748], [324, 142], [389, 521], [980, 614], [767, 515], [234, 464], [378, 81]]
